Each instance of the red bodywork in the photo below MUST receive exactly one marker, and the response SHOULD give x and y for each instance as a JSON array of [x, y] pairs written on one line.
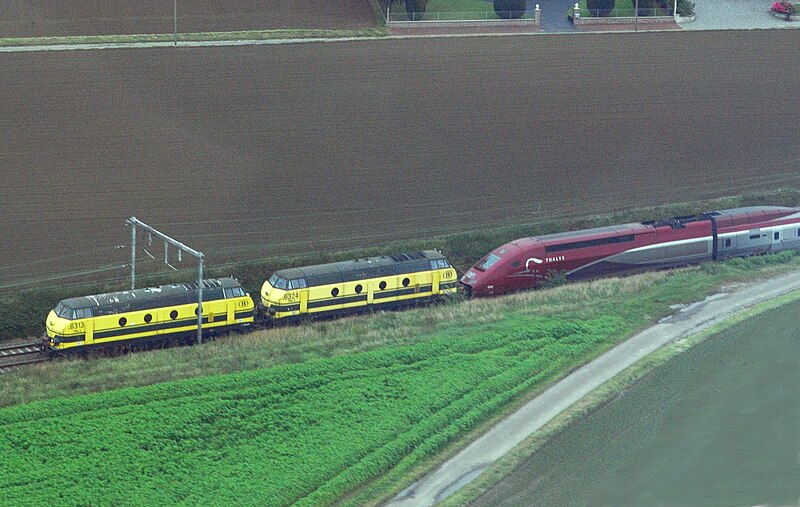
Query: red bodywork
[[527, 262]]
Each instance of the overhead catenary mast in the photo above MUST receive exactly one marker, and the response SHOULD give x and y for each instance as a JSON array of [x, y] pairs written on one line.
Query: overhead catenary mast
[[135, 223]]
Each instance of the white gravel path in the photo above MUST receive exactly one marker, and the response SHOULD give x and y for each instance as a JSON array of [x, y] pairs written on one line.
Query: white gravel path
[[479, 455]]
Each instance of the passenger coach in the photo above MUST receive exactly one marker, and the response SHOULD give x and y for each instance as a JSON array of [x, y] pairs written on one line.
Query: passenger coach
[[351, 286], [145, 315]]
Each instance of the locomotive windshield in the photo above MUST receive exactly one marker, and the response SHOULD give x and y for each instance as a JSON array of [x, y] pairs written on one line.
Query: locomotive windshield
[[490, 261], [64, 311], [278, 282]]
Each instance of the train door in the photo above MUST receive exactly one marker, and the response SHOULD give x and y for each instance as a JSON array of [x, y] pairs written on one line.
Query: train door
[[777, 239], [437, 276], [304, 301], [726, 246]]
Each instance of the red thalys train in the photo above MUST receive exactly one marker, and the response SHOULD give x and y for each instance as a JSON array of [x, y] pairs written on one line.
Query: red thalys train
[[739, 232]]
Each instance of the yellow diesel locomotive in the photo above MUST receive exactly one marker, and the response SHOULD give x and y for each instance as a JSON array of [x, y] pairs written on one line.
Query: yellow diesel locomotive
[[351, 286], [168, 312]]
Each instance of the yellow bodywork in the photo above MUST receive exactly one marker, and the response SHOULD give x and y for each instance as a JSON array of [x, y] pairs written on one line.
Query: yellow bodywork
[[155, 323], [356, 294]]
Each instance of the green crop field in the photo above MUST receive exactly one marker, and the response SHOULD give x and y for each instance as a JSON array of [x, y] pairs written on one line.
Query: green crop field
[[350, 410], [304, 432]]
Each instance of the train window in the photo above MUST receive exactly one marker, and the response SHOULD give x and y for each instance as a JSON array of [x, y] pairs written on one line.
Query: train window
[[382, 285], [334, 292], [406, 281], [298, 283], [173, 314], [798, 233], [359, 288], [439, 264], [488, 262], [755, 236], [122, 321], [148, 318], [776, 236], [728, 242]]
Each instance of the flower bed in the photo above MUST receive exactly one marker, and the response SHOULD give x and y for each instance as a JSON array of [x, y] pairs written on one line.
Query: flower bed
[[785, 10]]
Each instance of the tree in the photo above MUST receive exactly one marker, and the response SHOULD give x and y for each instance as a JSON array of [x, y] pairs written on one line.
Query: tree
[[416, 9], [510, 9]]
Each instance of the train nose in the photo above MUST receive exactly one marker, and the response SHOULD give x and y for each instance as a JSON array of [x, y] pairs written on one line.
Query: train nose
[[472, 284]]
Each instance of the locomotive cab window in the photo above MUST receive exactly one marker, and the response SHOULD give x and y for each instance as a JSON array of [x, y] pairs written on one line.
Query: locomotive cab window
[[233, 292], [64, 311], [83, 313]]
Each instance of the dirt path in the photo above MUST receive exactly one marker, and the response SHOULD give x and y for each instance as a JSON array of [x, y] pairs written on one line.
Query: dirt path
[[479, 455]]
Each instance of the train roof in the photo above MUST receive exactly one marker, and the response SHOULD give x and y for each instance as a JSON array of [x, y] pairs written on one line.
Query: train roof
[[611, 230], [743, 214], [749, 210], [146, 298], [370, 267]]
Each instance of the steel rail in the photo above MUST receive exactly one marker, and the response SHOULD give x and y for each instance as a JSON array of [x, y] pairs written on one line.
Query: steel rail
[[18, 349], [5, 368]]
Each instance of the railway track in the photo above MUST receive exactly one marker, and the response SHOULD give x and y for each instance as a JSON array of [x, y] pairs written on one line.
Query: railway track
[[20, 354]]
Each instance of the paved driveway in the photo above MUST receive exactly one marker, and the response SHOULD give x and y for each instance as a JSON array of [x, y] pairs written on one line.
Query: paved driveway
[[554, 15], [735, 14]]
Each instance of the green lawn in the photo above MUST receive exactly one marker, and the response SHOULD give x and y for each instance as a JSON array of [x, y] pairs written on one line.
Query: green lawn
[[622, 8], [452, 10]]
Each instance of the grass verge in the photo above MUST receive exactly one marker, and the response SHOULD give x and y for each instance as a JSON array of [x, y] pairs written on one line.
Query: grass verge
[[22, 312], [350, 410], [598, 398], [194, 37]]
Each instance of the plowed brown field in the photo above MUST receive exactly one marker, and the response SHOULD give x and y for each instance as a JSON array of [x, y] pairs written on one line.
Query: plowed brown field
[[248, 152], [30, 18]]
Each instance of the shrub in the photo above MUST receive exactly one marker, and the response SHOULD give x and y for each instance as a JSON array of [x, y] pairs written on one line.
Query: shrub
[[600, 7], [510, 9], [416, 9], [685, 8]]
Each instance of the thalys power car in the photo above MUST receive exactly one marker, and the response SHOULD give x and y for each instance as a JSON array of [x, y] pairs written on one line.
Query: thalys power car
[[740, 232]]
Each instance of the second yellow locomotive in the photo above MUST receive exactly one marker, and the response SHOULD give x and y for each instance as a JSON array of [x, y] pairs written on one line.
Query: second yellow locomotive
[[348, 287]]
